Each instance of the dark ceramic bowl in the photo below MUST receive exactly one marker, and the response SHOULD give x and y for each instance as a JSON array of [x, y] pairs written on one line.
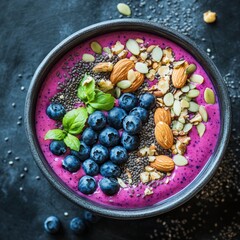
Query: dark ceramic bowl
[[133, 25]]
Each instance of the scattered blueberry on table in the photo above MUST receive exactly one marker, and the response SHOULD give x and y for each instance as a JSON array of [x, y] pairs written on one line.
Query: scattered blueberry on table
[[52, 225], [77, 225]]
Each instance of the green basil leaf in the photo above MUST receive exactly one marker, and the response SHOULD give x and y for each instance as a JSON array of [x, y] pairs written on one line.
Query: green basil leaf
[[90, 109], [72, 142], [102, 101], [56, 134], [86, 89], [74, 120]]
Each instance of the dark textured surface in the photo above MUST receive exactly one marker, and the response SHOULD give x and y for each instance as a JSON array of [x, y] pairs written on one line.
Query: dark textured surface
[[29, 30]]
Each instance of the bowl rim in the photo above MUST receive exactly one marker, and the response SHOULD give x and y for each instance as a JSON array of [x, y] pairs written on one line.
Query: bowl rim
[[148, 27]]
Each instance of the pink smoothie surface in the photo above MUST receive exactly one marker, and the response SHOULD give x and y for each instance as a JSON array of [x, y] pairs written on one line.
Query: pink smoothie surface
[[198, 152]]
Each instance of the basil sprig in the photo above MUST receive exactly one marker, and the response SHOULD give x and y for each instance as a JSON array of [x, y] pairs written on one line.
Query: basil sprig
[[73, 124], [92, 97]]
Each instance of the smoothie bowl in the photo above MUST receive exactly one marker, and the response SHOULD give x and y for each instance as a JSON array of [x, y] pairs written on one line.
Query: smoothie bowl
[[127, 118]]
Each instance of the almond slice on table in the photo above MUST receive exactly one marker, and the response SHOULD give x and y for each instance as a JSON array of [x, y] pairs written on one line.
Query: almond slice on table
[[162, 115], [164, 135], [124, 9]]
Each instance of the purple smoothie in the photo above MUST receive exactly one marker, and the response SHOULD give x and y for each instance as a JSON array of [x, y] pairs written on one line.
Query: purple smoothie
[[198, 151]]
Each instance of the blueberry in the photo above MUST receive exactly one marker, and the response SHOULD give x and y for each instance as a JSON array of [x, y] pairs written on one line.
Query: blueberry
[[132, 124], [109, 186], [89, 136], [99, 153], [52, 224], [58, 147], [83, 153], [55, 111], [90, 167], [90, 217], [128, 101], [77, 225], [115, 117], [130, 142], [118, 155], [109, 169], [87, 185], [147, 101], [71, 163], [97, 121], [109, 137], [140, 112]]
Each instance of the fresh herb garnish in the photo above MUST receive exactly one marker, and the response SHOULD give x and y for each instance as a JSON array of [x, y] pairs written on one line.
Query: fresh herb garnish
[[92, 97], [73, 124]]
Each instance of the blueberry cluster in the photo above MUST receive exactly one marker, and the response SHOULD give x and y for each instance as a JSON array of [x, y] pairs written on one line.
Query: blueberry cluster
[[78, 225], [106, 142]]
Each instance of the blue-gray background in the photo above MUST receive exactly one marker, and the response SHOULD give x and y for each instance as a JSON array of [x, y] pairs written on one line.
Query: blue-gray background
[[29, 30]]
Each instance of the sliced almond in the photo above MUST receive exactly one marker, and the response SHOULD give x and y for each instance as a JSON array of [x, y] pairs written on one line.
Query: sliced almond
[[201, 129], [203, 113], [180, 160], [131, 75], [143, 56], [151, 158], [133, 46], [157, 54], [185, 89], [177, 64], [184, 103], [209, 96], [96, 47], [197, 118], [124, 84], [121, 183], [149, 169], [145, 177], [123, 54], [86, 57], [139, 40], [163, 71], [193, 107], [181, 119], [107, 50], [197, 78], [193, 93], [154, 176], [187, 127], [192, 86], [117, 92], [117, 48], [141, 67], [177, 107], [150, 48], [168, 99], [179, 126]]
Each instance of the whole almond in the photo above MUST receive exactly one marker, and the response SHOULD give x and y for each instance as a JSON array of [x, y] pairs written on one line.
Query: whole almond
[[164, 135], [163, 163], [103, 67], [120, 70], [179, 76], [162, 115], [136, 83]]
